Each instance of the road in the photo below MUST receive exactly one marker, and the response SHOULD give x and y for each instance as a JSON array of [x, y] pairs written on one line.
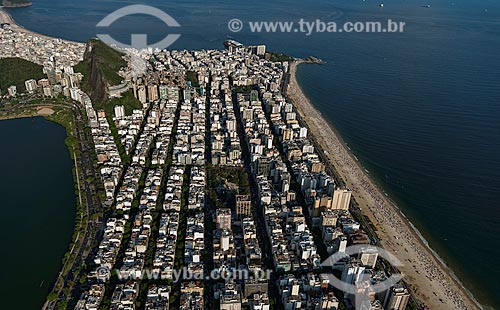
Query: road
[[87, 176]]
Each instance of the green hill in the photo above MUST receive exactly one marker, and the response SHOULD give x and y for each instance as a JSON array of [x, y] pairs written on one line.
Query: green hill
[[100, 62], [100, 69], [15, 71]]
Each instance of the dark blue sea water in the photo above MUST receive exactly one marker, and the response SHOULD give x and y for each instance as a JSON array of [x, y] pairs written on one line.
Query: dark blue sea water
[[37, 202], [420, 109]]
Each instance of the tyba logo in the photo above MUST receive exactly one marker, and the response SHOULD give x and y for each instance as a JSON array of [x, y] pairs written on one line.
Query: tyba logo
[[360, 284], [139, 41]]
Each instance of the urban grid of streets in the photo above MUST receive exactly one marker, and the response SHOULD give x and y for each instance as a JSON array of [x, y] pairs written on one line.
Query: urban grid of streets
[[233, 121], [292, 218]]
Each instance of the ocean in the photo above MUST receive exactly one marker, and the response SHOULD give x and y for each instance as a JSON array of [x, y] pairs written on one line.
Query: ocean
[[37, 201], [420, 109]]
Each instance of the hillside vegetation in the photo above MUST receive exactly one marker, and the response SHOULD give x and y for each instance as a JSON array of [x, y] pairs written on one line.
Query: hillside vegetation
[[15, 71], [107, 61], [279, 57], [100, 70]]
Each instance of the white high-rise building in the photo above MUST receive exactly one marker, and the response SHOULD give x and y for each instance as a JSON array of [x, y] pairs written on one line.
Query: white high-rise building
[[303, 132], [369, 257], [47, 92], [141, 94], [341, 199], [224, 241], [12, 91], [261, 50], [75, 93], [31, 86], [69, 70], [119, 111], [342, 244], [397, 298]]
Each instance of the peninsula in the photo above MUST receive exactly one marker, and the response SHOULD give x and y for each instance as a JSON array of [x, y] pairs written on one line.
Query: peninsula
[[213, 161]]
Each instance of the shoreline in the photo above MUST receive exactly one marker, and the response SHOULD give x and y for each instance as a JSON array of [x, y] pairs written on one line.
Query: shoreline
[[39, 111], [316, 123], [6, 18], [39, 284], [429, 274], [67, 116]]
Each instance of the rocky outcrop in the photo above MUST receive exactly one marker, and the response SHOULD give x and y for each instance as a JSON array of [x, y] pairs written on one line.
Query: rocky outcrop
[[96, 86], [100, 68], [314, 60]]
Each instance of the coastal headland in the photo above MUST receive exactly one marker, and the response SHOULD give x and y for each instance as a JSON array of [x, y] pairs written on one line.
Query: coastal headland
[[431, 280]]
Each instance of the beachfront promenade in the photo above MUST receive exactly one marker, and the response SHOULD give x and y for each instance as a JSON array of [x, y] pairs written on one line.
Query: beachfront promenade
[[432, 282]]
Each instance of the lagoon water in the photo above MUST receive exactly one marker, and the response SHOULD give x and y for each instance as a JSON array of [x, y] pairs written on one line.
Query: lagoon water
[[37, 201], [420, 109]]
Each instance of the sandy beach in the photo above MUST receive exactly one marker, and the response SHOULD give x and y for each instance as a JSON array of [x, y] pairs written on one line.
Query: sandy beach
[[431, 281], [5, 18]]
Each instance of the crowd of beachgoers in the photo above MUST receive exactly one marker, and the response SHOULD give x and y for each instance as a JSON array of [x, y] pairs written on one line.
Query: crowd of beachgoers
[[388, 219]]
